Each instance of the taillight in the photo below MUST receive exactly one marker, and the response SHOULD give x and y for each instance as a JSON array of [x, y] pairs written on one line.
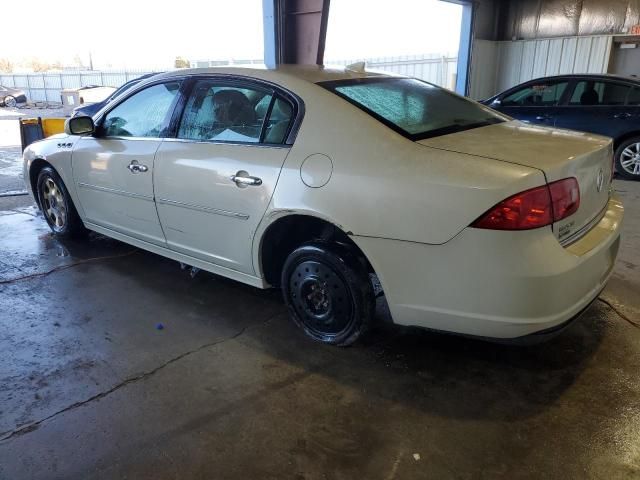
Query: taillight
[[565, 196], [534, 208]]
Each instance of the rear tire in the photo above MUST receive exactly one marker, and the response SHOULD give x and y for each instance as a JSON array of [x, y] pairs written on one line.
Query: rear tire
[[56, 205], [9, 101], [328, 292], [627, 159]]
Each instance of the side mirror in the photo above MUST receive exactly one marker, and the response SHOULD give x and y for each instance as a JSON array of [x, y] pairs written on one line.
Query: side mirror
[[80, 125], [496, 103]]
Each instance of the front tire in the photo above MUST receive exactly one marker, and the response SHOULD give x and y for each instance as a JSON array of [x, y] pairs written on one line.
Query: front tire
[[56, 205], [9, 101], [328, 293], [627, 159]]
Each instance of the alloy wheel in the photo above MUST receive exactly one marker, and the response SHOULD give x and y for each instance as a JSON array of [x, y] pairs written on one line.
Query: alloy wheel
[[54, 206], [630, 159]]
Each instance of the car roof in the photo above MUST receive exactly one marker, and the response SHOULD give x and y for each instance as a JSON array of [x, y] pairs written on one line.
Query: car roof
[[594, 76], [310, 73]]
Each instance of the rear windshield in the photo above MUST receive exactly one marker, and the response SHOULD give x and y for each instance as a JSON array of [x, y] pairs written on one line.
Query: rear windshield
[[413, 108]]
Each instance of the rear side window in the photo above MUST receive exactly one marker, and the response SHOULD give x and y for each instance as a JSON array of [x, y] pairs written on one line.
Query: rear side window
[[634, 96], [413, 108], [544, 94], [220, 112], [589, 92]]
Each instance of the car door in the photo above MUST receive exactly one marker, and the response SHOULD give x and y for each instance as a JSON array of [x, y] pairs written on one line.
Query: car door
[[534, 102], [598, 106], [214, 181], [113, 169]]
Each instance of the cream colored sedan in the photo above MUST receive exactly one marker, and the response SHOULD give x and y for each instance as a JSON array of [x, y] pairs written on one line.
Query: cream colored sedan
[[314, 179]]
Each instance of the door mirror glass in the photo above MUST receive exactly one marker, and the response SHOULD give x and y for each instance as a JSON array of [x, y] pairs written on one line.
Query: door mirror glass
[[79, 125]]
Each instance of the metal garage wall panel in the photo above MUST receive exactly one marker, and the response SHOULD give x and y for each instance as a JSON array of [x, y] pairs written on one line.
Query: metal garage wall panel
[[568, 55], [599, 55], [528, 59], [541, 59], [554, 56], [484, 65], [510, 61], [583, 55]]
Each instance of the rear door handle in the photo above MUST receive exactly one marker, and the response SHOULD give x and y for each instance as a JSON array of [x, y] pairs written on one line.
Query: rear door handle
[[622, 116], [243, 179], [136, 167], [543, 118]]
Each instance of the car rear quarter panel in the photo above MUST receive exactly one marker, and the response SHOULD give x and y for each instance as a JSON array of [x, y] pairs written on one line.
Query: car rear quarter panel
[[384, 185]]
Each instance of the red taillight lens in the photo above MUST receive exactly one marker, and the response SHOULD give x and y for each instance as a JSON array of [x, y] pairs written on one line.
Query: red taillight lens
[[534, 208], [565, 198], [526, 210]]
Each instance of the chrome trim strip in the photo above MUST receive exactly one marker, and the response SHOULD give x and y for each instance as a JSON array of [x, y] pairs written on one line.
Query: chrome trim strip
[[220, 142], [117, 192], [584, 230], [201, 208], [133, 139]]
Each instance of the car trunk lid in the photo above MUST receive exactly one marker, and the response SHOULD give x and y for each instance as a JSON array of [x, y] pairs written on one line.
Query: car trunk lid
[[557, 153]]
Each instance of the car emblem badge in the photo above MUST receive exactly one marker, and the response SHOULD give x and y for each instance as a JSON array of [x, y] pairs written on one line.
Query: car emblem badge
[[600, 181]]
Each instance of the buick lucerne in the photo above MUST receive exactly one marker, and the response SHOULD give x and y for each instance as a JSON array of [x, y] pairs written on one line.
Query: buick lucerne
[[315, 179]]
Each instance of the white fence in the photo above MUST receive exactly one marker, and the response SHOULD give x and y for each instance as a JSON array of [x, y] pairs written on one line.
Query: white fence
[[46, 87], [438, 69]]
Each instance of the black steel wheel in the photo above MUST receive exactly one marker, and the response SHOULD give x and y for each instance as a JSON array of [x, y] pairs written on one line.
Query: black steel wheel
[[328, 293], [627, 159], [56, 205]]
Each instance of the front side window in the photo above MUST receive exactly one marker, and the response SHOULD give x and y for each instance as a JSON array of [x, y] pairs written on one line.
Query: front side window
[[589, 93], [414, 108], [222, 112], [143, 114], [544, 94]]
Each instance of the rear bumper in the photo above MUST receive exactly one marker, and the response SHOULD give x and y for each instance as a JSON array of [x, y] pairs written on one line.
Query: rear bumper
[[496, 284]]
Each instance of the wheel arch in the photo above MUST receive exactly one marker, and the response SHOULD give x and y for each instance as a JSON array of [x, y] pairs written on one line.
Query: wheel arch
[[287, 232], [34, 170], [623, 138]]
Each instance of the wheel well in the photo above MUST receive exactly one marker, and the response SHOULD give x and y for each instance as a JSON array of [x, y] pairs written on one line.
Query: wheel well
[[37, 165], [288, 233], [618, 141]]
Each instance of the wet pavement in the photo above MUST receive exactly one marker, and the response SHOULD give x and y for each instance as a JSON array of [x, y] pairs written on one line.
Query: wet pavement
[[91, 387]]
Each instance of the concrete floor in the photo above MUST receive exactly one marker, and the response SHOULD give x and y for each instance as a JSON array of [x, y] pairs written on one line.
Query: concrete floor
[[90, 388]]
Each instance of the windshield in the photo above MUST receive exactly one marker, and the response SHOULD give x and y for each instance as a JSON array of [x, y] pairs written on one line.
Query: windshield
[[414, 108]]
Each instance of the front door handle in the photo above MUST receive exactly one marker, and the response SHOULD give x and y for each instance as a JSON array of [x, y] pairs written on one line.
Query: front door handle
[[543, 118], [243, 179], [622, 116], [135, 167]]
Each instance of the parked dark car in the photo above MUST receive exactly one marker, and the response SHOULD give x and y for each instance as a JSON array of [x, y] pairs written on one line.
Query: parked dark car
[[92, 108], [10, 97], [603, 104]]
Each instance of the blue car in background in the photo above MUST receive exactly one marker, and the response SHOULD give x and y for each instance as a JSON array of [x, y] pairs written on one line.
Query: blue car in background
[[603, 104], [92, 108]]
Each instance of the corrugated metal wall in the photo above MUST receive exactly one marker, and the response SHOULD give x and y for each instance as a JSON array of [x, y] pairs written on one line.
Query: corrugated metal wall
[[528, 19], [45, 87], [497, 66]]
